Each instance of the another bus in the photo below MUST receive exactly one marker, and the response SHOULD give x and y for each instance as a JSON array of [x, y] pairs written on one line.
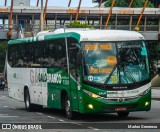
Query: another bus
[[84, 71]]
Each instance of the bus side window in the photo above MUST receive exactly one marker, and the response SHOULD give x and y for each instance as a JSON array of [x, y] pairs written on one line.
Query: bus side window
[[73, 50], [60, 54]]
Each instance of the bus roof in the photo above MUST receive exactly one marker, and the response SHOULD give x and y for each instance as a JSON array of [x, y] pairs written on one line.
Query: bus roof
[[104, 35], [46, 37]]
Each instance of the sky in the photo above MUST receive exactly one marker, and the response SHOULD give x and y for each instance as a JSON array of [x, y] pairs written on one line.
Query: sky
[[74, 3]]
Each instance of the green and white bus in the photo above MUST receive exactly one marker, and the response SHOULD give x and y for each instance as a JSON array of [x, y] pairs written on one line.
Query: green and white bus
[[84, 71]]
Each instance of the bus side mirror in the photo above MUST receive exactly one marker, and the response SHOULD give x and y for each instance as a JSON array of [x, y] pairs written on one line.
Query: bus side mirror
[[79, 59]]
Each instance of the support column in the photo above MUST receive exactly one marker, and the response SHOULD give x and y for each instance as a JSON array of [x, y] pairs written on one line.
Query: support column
[[145, 23], [17, 25], [86, 19], [116, 21], [101, 18], [159, 25], [70, 18], [55, 21], [130, 23]]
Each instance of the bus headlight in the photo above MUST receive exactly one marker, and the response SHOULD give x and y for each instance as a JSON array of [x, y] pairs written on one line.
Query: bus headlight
[[91, 94], [144, 92]]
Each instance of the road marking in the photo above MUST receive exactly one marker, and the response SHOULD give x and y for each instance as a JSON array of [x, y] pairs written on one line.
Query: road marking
[[93, 128], [61, 120], [51, 117], [39, 113], [13, 108], [5, 106], [6, 115], [77, 124]]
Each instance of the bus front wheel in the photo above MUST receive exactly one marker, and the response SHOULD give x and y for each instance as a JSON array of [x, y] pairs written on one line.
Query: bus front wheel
[[69, 113], [123, 114]]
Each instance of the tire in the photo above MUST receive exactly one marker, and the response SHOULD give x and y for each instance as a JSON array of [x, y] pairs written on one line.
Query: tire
[[68, 111], [123, 114], [28, 105]]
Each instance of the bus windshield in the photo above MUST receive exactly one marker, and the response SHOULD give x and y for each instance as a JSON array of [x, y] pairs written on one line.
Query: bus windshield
[[115, 62]]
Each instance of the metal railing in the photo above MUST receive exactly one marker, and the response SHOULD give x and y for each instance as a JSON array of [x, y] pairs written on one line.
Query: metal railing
[[36, 28]]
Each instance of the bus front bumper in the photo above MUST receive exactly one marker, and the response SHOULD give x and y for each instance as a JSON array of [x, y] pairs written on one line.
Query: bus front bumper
[[92, 105]]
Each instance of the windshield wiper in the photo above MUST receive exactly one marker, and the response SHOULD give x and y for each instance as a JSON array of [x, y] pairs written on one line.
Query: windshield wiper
[[107, 79], [131, 76]]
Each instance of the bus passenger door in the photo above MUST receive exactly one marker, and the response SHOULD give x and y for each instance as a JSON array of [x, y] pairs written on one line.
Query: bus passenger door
[[73, 77]]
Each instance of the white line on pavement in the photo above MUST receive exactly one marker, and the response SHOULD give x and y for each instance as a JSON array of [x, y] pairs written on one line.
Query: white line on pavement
[[51, 117], [13, 108], [6, 115], [93, 128], [5, 106], [61, 120], [39, 113]]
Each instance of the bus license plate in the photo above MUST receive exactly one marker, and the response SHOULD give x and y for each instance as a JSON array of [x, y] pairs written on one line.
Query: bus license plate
[[120, 109]]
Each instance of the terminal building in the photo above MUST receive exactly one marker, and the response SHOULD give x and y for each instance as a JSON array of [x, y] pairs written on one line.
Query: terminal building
[[26, 18]]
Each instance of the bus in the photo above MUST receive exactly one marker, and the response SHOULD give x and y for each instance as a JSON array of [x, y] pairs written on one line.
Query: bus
[[81, 71]]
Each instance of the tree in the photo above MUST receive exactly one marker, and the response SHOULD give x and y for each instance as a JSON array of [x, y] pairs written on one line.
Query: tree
[[77, 24], [125, 3]]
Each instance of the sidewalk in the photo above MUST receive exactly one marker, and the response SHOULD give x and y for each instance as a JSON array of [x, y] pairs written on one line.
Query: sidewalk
[[156, 93]]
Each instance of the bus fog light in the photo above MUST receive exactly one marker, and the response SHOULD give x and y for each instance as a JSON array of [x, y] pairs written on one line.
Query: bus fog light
[[146, 103], [90, 106]]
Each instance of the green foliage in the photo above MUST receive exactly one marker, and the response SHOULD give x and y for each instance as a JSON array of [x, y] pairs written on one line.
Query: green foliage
[[125, 3], [77, 24], [3, 48]]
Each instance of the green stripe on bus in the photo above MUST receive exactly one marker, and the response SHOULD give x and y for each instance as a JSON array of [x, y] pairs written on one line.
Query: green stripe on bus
[[47, 37]]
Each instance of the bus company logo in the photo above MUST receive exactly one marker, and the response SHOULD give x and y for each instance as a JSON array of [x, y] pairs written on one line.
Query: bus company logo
[[37, 77], [90, 78], [120, 99], [6, 126], [51, 78]]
